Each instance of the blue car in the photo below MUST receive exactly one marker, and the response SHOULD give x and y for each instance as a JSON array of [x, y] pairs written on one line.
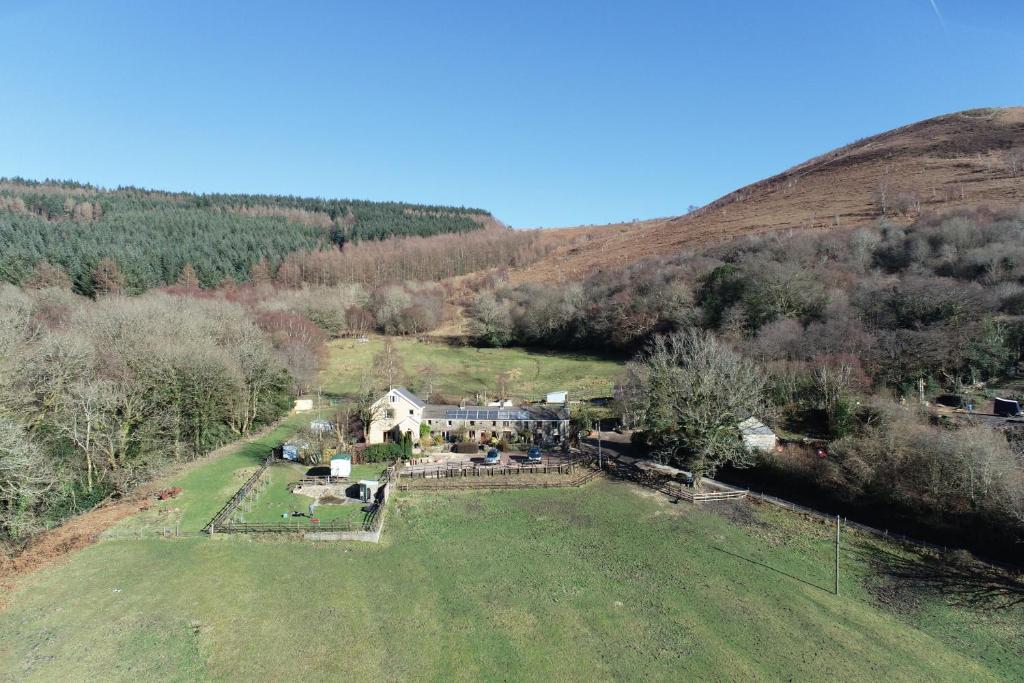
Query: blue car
[[533, 455], [492, 457]]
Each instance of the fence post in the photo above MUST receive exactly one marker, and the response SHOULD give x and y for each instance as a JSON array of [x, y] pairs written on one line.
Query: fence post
[[837, 554]]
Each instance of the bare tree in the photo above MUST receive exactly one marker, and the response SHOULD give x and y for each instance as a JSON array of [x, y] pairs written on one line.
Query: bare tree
[[187, 278], [697, 391], [1014, 160], [107, 278], [25, 477], [881, 195], [83, 416], [387, 364]]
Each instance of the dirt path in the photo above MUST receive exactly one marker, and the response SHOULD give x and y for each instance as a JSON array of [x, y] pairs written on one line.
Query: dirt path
[[76, 533], [57, 544]]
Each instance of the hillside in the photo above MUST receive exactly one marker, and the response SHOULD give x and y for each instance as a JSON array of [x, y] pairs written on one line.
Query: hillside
[[966, 159], [152, 235]]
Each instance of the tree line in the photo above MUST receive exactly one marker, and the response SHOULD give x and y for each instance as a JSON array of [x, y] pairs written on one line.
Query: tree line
[[95, 396], [150, 237]]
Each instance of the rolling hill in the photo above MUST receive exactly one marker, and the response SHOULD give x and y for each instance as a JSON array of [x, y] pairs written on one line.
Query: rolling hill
[[967, 159]]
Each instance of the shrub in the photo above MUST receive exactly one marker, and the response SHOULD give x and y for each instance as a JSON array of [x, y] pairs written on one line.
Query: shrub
[[466, 447], [383, 452]]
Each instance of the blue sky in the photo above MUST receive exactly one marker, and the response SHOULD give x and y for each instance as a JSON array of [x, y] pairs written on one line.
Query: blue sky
[[545, 113]]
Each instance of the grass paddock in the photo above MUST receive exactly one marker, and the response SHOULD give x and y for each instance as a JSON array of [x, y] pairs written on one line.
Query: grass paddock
[[462, 371], [605, 581]]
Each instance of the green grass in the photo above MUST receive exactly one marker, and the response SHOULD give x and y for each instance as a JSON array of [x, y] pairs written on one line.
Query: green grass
[[597, 583], [462, 371], [211, 481], [276, 499], [602, 582]]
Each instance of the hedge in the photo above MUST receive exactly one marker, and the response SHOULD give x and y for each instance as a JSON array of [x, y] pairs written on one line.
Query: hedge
[[383, 452]]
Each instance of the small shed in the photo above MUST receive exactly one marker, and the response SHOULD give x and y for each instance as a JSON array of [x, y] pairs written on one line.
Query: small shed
[[1005, 407], [557, 397], [757, 436], [290, 451], [341, 465], [321, 426], [303, 405], [368, 490]]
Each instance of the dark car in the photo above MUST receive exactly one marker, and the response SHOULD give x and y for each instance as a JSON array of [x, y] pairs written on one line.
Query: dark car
[[533, 455], [492, 457]]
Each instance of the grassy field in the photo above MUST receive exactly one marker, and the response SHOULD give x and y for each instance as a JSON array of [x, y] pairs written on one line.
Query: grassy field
[[602, 582], [462, 371], [607, 581]]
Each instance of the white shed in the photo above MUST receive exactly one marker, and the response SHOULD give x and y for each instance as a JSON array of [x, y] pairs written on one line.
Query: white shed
[[341, 465], [557, 397], [303, 405], [757, 436]]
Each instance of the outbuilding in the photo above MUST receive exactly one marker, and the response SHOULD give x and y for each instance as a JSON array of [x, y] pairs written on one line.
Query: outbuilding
[[757, 436], [341, 465], [1005, 407]]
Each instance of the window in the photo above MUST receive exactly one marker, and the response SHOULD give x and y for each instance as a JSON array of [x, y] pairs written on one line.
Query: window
[[472, 422], [449, 423], [389, 413], [494, 424], [410, 411], [393, 398]]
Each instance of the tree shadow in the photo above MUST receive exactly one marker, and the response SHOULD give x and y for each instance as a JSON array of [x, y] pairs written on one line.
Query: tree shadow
[[958, 579], [769, 567]]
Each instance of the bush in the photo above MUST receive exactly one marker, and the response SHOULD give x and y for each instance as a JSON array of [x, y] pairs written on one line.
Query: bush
[[383, 452], [466, 447]]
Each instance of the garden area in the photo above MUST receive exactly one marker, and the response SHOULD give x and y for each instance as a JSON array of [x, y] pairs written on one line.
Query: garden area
[[278, 503]]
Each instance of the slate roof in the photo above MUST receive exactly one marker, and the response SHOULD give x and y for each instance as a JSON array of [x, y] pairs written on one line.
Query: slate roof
[[409, 396], [754, 427], [493, 413]]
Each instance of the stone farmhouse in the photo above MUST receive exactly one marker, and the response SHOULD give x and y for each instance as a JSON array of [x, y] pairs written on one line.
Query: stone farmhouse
[[400, 411]]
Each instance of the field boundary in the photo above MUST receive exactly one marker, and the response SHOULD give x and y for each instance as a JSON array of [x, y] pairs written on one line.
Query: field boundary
[[240, 496], [369, 529], [501, 482], [818, 514]]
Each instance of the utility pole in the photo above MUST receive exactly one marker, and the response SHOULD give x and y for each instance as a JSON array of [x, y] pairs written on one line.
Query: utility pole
[[837, 554], [600, 462]]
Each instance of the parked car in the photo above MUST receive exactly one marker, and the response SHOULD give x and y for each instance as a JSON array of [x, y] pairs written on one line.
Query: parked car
[[533, 455], [492, 457]]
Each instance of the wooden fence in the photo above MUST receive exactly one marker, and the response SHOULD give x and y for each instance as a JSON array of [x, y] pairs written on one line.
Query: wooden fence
[[672, 487], [498, 480], [461, 470], [244, 493], [707, 496], [142, 532], [371, 521]]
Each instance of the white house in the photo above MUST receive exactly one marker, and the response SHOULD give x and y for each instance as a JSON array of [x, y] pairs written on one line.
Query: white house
[[395, 413], [400, 411]]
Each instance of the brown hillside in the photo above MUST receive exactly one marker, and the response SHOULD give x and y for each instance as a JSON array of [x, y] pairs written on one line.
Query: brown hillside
[[966, 159]]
